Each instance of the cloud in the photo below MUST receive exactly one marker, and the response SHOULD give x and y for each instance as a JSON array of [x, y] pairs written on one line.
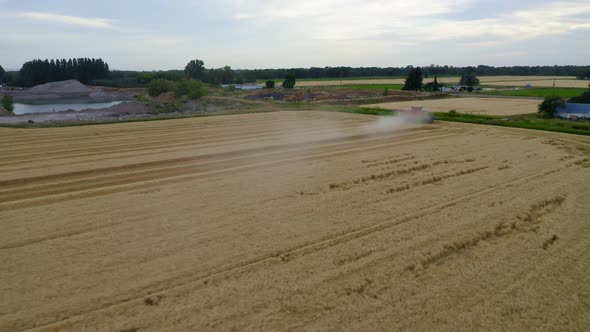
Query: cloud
[[300, 33], [23, 36], [342, 20], [409, 21], [542, 21], [267, 10], [150, 42], [102, 23]]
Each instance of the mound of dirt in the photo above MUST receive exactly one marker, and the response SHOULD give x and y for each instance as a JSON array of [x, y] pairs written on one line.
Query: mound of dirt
[[274, 95], [128, 107], [299, 96], [4, 112], [166, 97], [62, 88]]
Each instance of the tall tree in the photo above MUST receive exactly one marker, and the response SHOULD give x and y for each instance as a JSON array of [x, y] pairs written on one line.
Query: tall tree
[[227, 76], [289, 82], [584, 98], [7, 102], [469, 77], [42, 71], [550, 105], [432, 86], [435, 85], [414, 80], [195, 69], [2, 72]]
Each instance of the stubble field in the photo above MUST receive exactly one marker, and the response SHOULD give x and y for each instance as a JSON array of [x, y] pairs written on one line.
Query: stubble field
[[293, 220], [482, 106]]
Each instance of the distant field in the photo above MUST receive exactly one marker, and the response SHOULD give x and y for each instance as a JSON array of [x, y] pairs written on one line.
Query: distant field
[[323, 79], [358, 78], [485, 79], [538, 92], [559, 83], [333, 79], [376, 86], [482, 106], [393, 80], [443, 78], [505, 80], [541, 81], [373, 81]]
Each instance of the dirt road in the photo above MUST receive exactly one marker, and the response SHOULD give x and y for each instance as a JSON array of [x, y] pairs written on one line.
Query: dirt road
[[293, 220]]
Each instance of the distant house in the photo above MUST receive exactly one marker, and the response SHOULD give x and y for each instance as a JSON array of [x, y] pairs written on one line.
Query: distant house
[[574, 111], [453, 89]]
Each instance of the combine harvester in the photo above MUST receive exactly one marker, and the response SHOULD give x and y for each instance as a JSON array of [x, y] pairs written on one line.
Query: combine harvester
[[415, 115]]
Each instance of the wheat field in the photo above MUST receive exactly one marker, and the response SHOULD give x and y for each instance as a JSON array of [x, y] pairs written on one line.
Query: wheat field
[[293, 221]]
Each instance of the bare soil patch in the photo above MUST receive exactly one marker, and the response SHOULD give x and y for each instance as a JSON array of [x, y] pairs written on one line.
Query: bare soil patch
[[331, 95]]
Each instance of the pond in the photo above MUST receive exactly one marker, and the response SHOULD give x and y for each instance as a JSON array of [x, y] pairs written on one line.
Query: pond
[[56, 107]]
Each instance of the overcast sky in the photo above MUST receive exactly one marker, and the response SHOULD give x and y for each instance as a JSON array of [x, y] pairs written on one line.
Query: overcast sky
[[166, 34]]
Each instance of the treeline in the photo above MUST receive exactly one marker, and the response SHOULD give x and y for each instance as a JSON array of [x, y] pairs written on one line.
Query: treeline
[[226, 75], [2, 72], [196, 69], [43, 71], [128, 79], [96, 71], [582, 72]]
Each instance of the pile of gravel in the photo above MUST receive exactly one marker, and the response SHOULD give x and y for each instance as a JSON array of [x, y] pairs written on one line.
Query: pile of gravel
[[69, 88]]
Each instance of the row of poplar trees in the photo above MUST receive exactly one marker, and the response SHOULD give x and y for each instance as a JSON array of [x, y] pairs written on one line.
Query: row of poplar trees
[[83, 69]]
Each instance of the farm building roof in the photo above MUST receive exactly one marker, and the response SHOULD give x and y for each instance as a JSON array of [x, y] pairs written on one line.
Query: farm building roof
[[575, 108]]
